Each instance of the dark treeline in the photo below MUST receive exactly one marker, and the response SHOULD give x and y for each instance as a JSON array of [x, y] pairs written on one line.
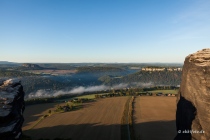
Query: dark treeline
[[47, 99]]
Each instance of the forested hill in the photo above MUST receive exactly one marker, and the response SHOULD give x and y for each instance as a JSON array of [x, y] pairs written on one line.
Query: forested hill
[[31, 82], [101, 71], [98, 69], [154, 77]]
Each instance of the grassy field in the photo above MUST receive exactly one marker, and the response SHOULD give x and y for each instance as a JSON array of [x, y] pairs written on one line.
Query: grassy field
[[164, 91], [91, 96], [100, 120], [154, 118]]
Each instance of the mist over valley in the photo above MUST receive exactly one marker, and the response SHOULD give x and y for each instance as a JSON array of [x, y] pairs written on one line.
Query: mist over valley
[[49, 80]]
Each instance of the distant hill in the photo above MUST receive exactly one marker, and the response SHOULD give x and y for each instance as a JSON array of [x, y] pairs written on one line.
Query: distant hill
[[28, 66], [8, 64], [98, 69]]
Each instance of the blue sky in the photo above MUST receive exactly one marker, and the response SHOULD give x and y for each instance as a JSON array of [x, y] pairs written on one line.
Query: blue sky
[[65, 31]]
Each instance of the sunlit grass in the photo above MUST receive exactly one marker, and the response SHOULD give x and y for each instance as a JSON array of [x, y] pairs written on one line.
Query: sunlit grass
[[164, 91]]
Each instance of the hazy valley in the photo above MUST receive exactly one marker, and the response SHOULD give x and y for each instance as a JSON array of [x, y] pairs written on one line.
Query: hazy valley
[[84, 77]]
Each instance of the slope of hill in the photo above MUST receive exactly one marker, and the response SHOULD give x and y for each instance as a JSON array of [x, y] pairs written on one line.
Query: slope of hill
[[154, 77], [8, 64]]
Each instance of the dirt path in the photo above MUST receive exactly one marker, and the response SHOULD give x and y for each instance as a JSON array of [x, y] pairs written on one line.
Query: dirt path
[[99, 120], [125, 127], [154, 118]]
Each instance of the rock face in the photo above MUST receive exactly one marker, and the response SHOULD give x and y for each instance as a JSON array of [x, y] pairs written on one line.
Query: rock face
[[193, 108], [11, 109]]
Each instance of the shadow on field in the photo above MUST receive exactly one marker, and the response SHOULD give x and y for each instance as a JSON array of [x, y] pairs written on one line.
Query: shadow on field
[[154, 130], [161, 130], [157, 130], [32, 112], [77, 132]]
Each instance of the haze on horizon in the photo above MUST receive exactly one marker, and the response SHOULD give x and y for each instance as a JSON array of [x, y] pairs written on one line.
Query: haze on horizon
[[103, 31]]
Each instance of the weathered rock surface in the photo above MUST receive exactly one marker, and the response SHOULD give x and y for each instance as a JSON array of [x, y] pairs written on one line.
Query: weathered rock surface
[[193, 108], [11, 109]]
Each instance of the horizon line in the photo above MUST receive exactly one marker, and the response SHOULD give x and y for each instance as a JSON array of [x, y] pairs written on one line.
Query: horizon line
[[98, 62]]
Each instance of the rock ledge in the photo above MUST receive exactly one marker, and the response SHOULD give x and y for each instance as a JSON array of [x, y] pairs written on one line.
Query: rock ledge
[[11, 109]]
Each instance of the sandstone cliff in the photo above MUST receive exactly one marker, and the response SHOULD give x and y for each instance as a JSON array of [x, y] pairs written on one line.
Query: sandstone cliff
[[31, 66], [193, 108], [11, 109]]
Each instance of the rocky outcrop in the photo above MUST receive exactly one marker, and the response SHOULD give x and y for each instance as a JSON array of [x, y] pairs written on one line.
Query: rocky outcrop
[[193, 107], [11, 109], [31, 66]]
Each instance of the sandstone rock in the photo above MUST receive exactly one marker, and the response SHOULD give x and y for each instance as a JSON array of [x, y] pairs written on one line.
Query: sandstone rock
[[193, 108], [11, 109], [28, 66]]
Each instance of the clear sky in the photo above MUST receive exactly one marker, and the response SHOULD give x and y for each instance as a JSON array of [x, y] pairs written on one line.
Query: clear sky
[[103, 30]]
